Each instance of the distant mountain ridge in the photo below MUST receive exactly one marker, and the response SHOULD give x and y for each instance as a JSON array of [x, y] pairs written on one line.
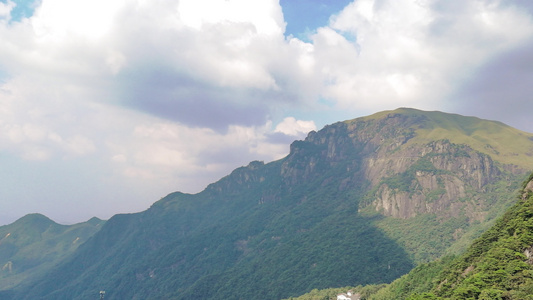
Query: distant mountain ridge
[[358, 202], [33, 244]]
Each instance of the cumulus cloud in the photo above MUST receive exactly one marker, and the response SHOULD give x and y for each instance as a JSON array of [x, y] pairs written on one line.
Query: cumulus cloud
[[223, 69], [226, 65], [5, 10], [464, 56], [208, 69], [56, 20], [172, 95], [293, 127], [378, 54], [506, 79]]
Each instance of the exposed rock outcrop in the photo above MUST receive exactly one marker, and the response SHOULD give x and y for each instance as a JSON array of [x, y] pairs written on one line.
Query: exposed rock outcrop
[[435, 175], [439, 185]]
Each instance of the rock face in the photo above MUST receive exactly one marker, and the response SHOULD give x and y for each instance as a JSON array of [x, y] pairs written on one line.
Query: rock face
[[499, 263], [528, 189], [402, 171], [437, 175], [409, 174], [408, 177]]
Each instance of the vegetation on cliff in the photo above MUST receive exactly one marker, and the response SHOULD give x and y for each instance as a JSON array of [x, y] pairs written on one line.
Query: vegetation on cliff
[[497, 265]]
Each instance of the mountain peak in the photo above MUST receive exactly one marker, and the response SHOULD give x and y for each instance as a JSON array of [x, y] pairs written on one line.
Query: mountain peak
[[503, 143], [35, 220]]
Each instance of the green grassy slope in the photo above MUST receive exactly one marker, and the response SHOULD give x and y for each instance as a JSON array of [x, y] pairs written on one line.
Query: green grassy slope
[[33, 244], [502, 142]]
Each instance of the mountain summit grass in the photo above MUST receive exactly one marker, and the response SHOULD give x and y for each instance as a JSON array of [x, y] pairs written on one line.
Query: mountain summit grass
[[502, 142]]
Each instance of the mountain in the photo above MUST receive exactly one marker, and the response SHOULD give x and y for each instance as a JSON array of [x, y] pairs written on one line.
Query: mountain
[[498, 265], [358, 202], [33, 244]]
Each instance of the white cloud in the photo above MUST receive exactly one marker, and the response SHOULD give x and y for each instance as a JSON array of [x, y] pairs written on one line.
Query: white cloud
[[178, 152], [141, 98], [116, 61], [79, 145], [412, 52], [57, 20], [291, 126], [266, 16], [223, 43], [5, 10]]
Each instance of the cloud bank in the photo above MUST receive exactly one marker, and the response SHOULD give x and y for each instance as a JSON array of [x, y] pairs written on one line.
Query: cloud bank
[[107, 105]]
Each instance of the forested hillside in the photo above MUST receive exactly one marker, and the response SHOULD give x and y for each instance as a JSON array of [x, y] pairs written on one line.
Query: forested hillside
[[33, 244], [498, 265]]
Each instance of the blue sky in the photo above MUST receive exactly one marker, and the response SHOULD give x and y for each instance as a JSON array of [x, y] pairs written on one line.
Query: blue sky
[[23, 9], [304, 17], [108, 105]]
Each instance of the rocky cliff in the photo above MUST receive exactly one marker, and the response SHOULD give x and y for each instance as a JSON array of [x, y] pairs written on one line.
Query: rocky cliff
[[408, 173]]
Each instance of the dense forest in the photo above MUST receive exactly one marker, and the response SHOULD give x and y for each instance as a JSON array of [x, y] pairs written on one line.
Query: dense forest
[[497, 266]]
